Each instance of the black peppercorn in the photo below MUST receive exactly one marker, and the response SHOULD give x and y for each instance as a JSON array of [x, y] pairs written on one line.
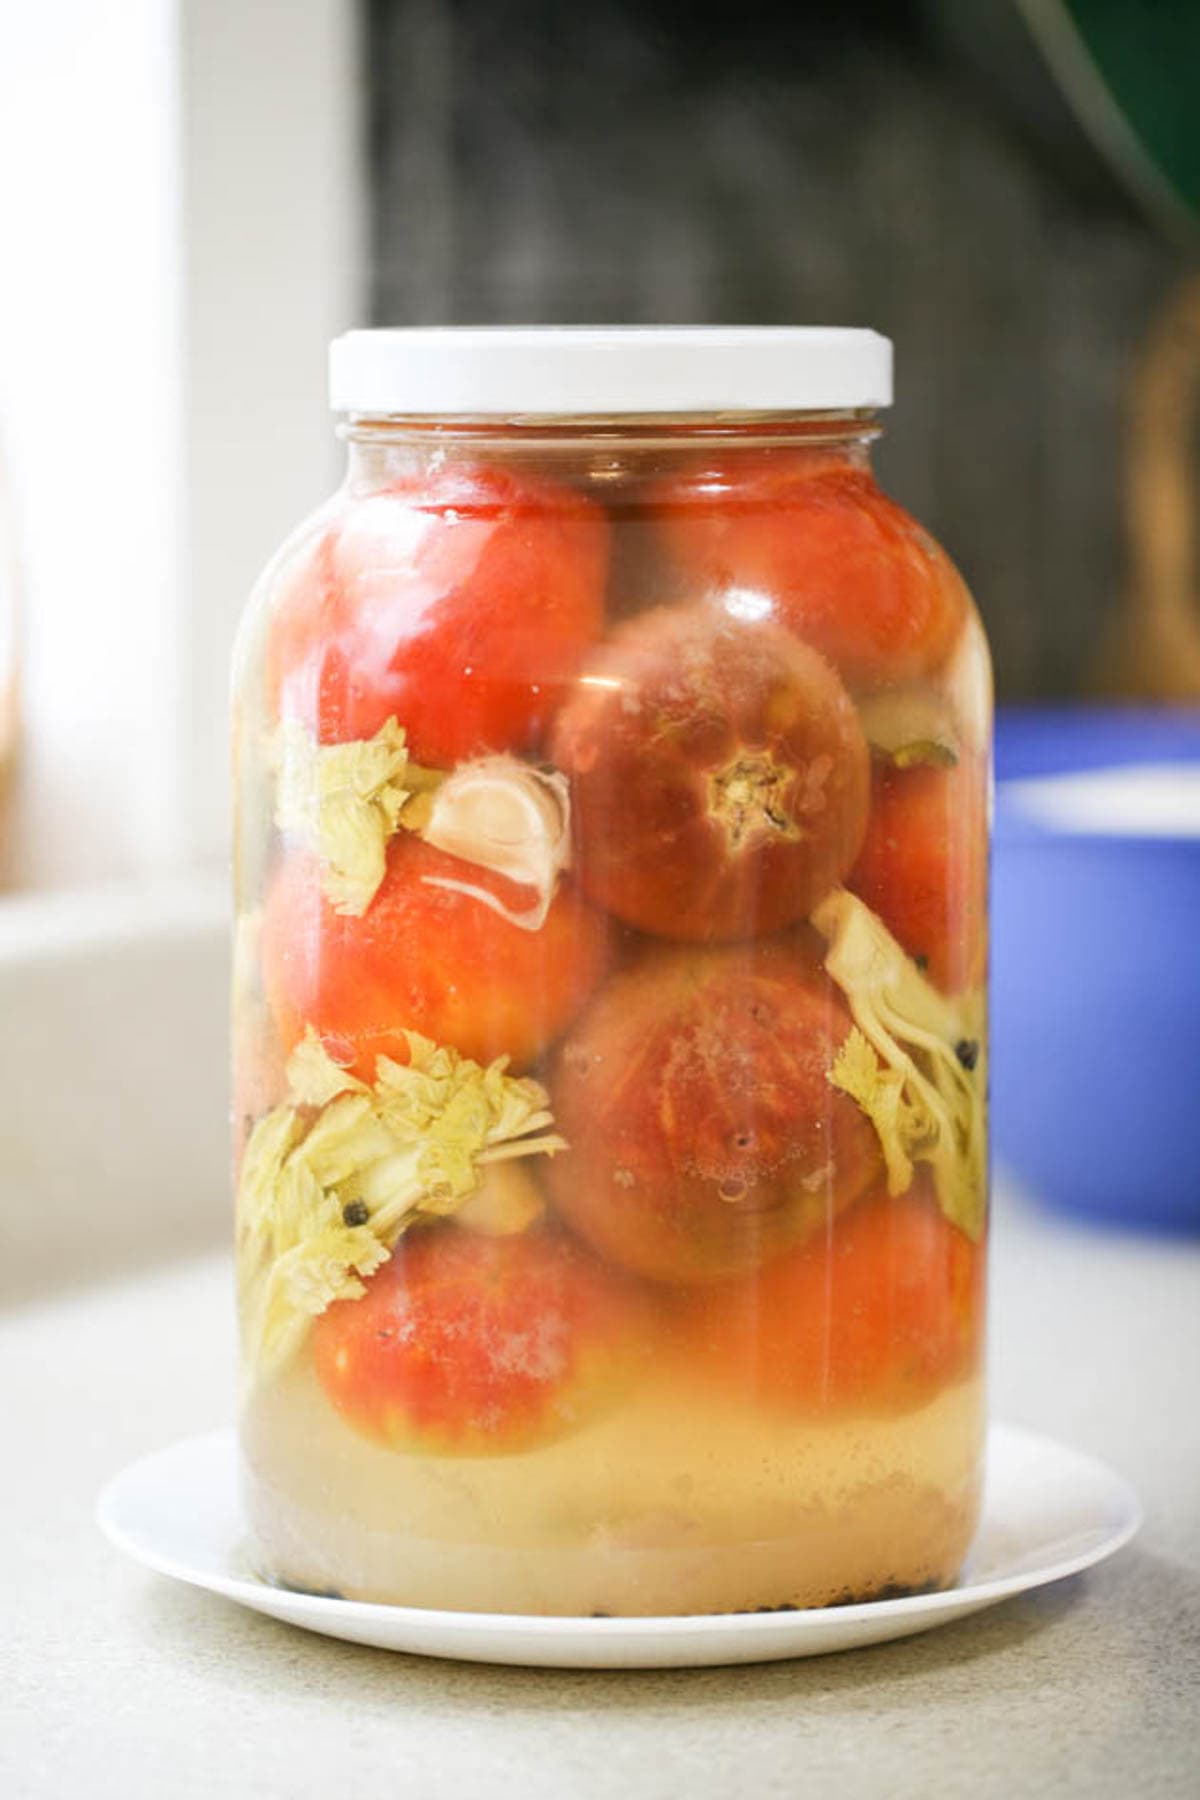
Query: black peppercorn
[[355, 1213], [967, 1052]]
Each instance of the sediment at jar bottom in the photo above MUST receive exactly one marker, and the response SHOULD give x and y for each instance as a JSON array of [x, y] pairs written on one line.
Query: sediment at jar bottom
[[664, 1507]]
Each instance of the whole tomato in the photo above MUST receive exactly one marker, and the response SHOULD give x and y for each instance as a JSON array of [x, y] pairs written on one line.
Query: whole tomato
[[704, 1133], [816, 542], [878, 1313], [424, 958], [719, 775], [461, 601], [471, 1345], [923, 866]]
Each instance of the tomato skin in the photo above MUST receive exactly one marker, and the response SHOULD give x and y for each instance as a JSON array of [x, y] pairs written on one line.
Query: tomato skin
[[681, 705], [470, 1345], [923, 866], [877, 1314], [704, 1133], [460, 601], [425, 959], [843, 566]]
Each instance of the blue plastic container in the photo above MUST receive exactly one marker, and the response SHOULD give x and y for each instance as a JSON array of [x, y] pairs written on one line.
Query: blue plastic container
[[1044, 740], [1096, 982]]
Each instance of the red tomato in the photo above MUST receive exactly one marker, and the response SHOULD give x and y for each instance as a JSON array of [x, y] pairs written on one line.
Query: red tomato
[[461, 601], [424, 958], [469, 1345], [837, 561], [719, 775], [877, 1313], [704, 1133], [923, 866]]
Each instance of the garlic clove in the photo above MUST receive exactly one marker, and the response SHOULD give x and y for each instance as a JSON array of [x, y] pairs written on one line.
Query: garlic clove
[[507, 1201], [503, 815], [910, 726]]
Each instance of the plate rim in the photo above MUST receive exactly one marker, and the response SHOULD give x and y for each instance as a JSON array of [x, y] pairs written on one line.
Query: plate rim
[[248, 1589]]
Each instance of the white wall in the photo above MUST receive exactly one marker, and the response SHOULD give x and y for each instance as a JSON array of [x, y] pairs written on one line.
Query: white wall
[[179, 235], [274, 201], [90, 391]]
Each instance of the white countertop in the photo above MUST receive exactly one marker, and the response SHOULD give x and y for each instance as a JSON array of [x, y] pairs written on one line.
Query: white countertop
[[114, 1682]]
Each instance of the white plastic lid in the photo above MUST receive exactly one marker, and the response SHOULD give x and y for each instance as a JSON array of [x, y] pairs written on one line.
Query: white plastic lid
[[547, 370]]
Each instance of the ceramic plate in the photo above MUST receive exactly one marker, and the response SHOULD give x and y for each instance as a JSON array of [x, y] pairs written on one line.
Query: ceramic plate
[[1048, 1512]]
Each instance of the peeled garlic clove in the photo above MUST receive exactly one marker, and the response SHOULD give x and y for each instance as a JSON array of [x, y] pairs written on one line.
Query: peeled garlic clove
[[966, 683], [909, 727], [505, 816], [507, 1201], [502, 815]]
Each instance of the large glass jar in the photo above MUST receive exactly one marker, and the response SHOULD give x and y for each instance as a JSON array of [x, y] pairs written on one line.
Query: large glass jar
[[612, 809]]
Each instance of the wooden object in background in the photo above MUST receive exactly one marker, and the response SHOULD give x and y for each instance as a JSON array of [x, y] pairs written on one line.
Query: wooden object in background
[[1152, 651]]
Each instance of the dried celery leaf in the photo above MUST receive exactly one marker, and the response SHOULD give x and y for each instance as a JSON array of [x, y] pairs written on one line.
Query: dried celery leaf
[[925, 752], [417, 1143], [880, 1094], [345, 800], [900, 1063], [266, 1153], [314, 1078]]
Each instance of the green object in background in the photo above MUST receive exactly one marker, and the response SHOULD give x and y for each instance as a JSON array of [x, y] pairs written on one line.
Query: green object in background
[[1131, 71]]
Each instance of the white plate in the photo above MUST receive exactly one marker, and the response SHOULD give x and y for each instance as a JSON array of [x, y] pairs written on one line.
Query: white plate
[[1048, 1512]]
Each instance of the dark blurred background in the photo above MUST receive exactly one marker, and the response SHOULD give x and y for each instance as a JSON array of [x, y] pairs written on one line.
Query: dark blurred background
[[911, 166]]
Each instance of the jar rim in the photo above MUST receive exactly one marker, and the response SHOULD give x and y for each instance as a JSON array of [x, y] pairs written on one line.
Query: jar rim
[[579, 371]]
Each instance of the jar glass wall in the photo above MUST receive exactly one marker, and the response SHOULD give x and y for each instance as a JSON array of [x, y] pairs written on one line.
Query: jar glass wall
[[612, 805]]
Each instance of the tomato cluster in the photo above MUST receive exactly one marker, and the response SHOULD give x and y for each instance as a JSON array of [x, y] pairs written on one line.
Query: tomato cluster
[[672, 995]]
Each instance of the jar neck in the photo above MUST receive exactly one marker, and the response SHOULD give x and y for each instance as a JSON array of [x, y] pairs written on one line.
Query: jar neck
[[379, 446]]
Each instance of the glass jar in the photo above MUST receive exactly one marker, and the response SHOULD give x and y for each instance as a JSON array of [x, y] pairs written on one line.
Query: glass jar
[[612, 809]]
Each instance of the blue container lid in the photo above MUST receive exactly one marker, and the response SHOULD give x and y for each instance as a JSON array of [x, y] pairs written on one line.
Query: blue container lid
[[1069, 777], [1051, 740]]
